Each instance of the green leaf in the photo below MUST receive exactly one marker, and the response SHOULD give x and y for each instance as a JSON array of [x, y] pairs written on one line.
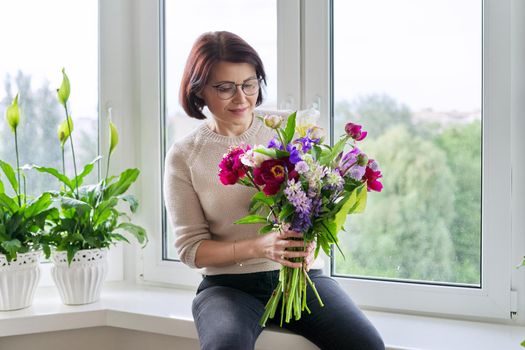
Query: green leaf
[[260, 197], [8, 203], [1, 187], [266, 229], [65, 89], [360, 201], [54, 172], [12, 247], [327, 157], [119, 237], [68, 202], [286, 211], [126, 179], [251, 219], [10, 174], [270, 152], [71, 251], [289, 131], [86, 171], [40, 204], [138, 232], [132, 201]]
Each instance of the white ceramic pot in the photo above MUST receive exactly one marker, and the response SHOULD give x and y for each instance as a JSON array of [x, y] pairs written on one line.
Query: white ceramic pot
[[18, 280], [80, 282]]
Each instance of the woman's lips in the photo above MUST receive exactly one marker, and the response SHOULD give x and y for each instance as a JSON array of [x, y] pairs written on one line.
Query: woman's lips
[[239, 110]]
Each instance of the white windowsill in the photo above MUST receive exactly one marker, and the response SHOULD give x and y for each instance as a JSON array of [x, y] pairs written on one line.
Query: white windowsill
[[167, 311]]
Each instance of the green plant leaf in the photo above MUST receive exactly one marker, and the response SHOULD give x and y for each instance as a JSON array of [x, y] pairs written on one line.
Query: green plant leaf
[[289, 131], [54, 172], [37, 206], [10, 174], [270, 152], [71, 251], [1, 187], [8, 203], [260, 197], [86, 171], [119, 237], [132, 201], [11, 247], [68, 202], [126, 179], [266, 229], [286, 211], [360, 200], [251, 219], [137, 231], [113, 137]]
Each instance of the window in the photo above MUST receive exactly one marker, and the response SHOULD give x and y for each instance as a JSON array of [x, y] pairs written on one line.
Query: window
[[182, 27], [415, 85], [34, 54], [355, 60]]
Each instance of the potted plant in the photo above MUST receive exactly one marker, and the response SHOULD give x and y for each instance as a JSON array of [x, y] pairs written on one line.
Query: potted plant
[[22, 222], [88, 221]]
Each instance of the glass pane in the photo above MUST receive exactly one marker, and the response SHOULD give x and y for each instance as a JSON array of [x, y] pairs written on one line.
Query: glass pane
[[184, 22], [410, 72], [39, 39]]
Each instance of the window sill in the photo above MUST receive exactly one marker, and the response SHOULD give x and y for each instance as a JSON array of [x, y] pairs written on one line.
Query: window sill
[[167, 311]]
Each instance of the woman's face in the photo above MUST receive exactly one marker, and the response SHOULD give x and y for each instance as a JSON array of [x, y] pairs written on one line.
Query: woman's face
[[231, 106]]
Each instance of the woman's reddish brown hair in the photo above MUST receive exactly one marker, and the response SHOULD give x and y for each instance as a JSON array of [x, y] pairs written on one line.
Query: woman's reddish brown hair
[[209, 49]]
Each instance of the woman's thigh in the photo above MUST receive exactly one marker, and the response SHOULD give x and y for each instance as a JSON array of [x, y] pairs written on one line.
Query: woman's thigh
[[340, 324], [227, 318]]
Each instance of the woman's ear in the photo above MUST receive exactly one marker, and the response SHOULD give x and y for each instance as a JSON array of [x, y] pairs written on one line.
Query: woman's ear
[[199, 95]]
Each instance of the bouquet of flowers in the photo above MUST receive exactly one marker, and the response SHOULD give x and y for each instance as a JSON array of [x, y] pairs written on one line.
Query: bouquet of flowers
[[305, 186]]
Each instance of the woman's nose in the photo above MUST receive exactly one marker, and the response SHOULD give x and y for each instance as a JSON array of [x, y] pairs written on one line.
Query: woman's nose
[[239, 96]]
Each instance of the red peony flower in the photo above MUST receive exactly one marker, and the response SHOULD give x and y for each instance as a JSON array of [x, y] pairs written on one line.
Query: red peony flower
[[230, 168], [355, 132], [272, 173]]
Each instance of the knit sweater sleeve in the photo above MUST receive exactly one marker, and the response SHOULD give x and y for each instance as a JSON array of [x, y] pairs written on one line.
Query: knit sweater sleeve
[[182, 203]]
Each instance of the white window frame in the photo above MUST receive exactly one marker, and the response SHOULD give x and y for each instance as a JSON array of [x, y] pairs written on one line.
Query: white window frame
[[304, 47], [493, 299]]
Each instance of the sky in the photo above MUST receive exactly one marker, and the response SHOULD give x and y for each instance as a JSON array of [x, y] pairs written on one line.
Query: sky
[[425, 53]]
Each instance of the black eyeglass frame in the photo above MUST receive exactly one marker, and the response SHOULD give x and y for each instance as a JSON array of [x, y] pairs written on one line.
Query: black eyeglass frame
[[242, 85]]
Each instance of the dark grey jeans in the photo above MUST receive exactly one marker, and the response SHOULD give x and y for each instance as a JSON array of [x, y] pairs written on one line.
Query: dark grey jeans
[[227, 310]]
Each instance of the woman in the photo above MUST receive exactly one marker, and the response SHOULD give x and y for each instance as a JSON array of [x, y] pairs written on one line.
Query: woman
[[240, 267]]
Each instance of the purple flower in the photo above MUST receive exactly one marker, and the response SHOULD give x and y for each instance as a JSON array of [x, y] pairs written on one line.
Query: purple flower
[[350, 164], [295, 156], [275, 143]]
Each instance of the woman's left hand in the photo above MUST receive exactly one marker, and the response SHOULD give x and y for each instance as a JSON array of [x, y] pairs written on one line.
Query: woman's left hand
[[309, 260]]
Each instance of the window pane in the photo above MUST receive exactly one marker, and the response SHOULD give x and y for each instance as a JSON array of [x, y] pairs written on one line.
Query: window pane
[[39, 39], [184, 22], [410, 72]]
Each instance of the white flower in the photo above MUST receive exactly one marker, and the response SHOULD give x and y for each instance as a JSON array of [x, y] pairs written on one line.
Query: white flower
[[305, 120], [273, 121], [254, 159], [317, 132]]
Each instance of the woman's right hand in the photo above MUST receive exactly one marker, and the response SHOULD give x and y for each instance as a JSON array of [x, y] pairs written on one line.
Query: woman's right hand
[[274, 246]]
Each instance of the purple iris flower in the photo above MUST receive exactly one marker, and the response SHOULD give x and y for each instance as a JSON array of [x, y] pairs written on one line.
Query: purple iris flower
[[275, 143], [295, 156]]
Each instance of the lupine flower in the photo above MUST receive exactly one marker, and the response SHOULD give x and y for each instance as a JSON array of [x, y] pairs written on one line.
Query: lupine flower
[[302, 204], [230, 168], [273, 121], [355, 132], [302, 167]]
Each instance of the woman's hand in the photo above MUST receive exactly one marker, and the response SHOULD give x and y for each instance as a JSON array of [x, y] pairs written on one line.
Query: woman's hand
[[274, 246], [309, 260]]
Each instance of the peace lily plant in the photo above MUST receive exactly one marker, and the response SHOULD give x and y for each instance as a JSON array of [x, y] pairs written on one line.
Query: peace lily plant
[[88, 216], [22, 224]]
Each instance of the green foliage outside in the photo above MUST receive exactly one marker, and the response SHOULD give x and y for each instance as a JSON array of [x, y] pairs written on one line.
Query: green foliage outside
[[426, 223]]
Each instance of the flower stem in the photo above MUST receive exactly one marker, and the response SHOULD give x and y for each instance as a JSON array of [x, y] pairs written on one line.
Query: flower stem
[[17, 168], [72, 149]]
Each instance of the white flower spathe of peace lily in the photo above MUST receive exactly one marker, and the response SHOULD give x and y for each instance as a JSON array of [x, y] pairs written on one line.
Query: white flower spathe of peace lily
[[64, 90], [254, 159], [64, 130], [113, 134], [12, 114], [306, 119]]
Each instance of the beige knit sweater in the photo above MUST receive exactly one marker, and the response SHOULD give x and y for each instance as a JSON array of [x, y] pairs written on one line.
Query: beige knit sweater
[[200, 207]]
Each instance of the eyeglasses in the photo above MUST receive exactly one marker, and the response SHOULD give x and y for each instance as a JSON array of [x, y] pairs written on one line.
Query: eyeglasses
[[225, 91]]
